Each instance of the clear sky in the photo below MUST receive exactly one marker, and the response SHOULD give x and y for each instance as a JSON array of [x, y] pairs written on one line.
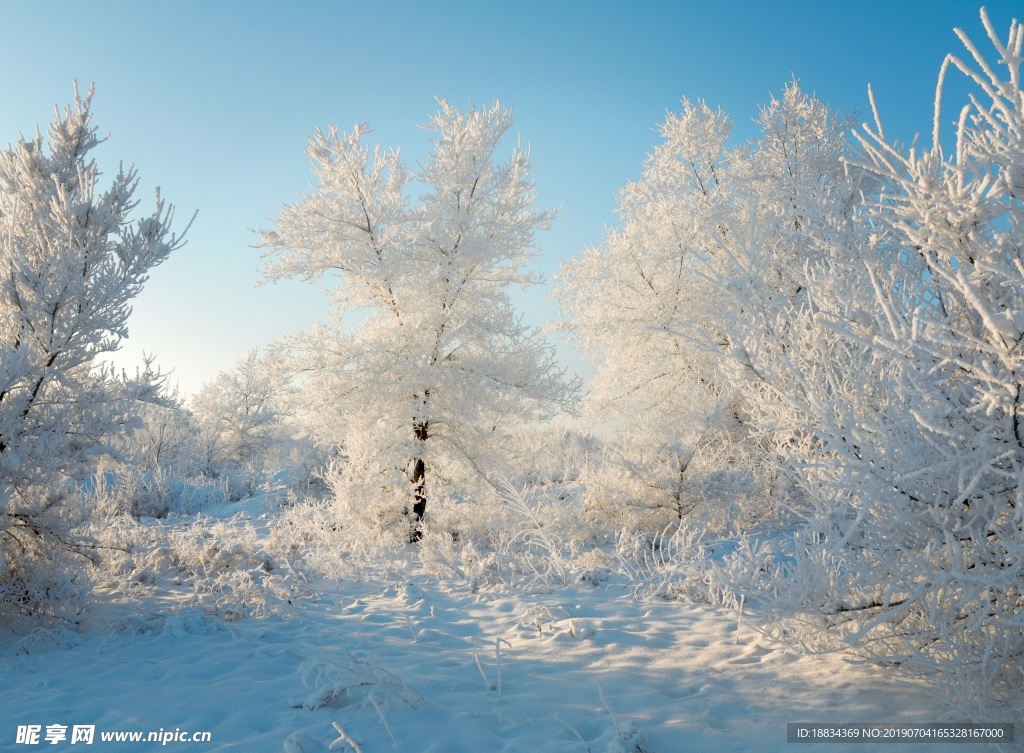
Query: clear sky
[[211, 100]]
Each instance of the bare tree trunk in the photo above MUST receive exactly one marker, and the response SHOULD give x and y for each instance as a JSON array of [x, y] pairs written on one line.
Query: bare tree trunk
[[677, 492], [419, 481]]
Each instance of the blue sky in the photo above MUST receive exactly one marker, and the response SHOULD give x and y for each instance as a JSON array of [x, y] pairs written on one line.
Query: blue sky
[[211, 100]]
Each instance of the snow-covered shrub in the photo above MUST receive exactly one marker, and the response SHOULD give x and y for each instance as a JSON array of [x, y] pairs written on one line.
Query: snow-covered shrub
[[70, 263], [353, 681], [317, 535], [549, 454], [164, 435], [641, 482], [221, 567], [514, 538], [119, 487], [520, 537], [159, 465]]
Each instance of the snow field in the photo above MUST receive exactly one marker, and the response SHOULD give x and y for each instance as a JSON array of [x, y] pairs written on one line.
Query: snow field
[[420, 663]]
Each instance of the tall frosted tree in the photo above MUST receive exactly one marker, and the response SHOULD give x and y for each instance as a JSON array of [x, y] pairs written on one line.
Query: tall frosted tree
[[886, 375], [644, 303], [934, 464], [70, 263], [419, 387]]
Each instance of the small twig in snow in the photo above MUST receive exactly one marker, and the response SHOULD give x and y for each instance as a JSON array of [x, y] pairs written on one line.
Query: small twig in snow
[[600, 692], [574, 731], [487, 683], [739, 621], [383, 719], [497, 659], [344, 739]]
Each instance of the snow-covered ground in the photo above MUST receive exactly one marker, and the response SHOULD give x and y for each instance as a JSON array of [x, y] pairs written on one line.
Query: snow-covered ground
[[415, 663]]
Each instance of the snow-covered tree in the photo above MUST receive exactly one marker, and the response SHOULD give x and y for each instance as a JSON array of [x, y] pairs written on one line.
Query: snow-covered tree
[[420, 389], [164, 436], [892, 387], [946, 263], [645, 306], [70, 262], [239, 417]]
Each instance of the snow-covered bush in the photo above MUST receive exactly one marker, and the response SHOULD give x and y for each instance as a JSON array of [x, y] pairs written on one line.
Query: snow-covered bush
[[164, 435], [531, 537], [70, 262], [223, 567], [540, 453], [229, 571], [119, 488], [319, 536], [159, 465], [641, 482]]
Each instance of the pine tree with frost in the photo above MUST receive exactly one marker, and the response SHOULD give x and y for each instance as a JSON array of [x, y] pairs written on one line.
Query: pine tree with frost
[[70, 262], [419, 392]]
